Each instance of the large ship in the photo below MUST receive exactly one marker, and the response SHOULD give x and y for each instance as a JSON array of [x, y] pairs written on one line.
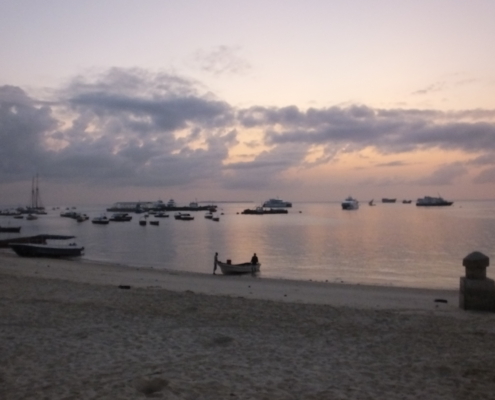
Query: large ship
[[277, 203], [429, 201], [350, 204]]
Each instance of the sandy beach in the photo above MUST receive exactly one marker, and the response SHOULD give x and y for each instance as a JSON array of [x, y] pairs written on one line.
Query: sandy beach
[[86, 330]]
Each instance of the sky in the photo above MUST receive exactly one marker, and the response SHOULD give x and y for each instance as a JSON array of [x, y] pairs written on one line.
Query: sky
[[315, 100]]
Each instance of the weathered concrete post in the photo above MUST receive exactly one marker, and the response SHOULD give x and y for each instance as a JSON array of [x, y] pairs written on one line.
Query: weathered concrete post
[[477, 292]]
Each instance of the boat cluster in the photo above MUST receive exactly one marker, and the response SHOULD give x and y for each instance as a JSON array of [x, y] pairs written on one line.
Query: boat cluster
[[428, 201]]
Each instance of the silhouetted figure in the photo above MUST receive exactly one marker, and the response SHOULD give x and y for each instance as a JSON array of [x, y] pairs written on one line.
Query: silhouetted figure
[[254, 259], [215, 264]]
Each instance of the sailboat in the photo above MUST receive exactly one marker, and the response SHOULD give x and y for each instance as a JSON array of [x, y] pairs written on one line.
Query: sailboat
[[36, 206]]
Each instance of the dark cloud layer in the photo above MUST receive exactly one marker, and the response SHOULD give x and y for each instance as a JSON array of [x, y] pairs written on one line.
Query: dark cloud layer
[[133, 127]]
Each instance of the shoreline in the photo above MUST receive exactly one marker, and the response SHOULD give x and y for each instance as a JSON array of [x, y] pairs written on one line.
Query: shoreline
[[247, 286]]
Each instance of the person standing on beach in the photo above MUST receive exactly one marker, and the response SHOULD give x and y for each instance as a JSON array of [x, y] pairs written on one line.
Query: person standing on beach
[[215, 264], [254, 259]]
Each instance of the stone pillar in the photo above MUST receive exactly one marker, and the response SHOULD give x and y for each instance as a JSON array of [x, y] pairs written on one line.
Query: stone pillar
[[477, 292]]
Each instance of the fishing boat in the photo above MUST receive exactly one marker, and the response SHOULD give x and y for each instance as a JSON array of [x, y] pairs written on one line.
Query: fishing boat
[[350, 204], [429, 201], [263, 211], [161, 215], [120, 217], [228, 268], [101, 220], [82, 218], [69, 214], [183, 216], [47, 250]]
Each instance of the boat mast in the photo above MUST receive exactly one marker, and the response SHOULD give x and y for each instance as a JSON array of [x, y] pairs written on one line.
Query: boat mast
[[35, 194], [32, 193]]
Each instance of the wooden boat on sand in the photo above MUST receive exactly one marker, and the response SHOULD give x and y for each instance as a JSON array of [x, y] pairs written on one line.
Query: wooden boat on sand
[[236, 269]]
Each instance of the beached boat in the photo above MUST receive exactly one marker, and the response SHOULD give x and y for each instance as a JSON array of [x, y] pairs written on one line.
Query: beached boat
[[236, 269], [429, 201], [10, 229], [47, 250], [350, 204], [276, 203]]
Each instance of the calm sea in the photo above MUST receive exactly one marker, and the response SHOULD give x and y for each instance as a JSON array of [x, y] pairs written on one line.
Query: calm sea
[[388, 244]]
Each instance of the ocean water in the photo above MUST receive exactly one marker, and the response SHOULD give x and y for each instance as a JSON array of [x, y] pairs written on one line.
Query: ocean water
[[388, 244]]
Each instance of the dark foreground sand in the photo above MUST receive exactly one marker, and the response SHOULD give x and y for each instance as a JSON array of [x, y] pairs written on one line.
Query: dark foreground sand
[[67, 331]]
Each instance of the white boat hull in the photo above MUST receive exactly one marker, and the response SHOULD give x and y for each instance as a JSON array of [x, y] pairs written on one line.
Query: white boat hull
[[236, 269]]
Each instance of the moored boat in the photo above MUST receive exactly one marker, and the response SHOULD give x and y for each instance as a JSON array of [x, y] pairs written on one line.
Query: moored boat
[[120, 217], [183, 216], [101, 220], [276, 203], [236, 269], [350, 204], [262, 211], [386, 200], [429, 201]]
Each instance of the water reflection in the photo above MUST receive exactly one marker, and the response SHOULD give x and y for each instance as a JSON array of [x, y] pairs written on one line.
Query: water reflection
[[392, 244]]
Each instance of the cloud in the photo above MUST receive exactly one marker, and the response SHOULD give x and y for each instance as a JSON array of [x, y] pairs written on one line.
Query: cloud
[[485, 176], [445, 175], [358, 127], [131, 127], [435, 87], [222, 60], [393, 164], [127, 128]]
